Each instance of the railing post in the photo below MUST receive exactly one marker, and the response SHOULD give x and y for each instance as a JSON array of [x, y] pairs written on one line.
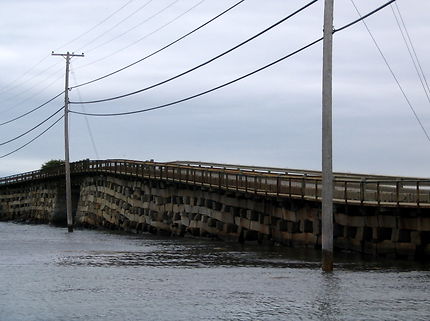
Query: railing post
[[219, 179], [304, 185], [266, 187], [237, 182], [224, 179], [418, 193], [289, 187], [378, 193], [398, 192], [345, 192], [316, 189], [362, 190], [246, 184]]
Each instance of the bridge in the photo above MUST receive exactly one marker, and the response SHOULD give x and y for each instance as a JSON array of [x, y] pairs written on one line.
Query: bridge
[[379, 215]]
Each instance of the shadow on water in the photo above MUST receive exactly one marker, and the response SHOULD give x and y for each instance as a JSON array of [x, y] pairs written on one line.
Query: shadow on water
[[154, 251], [190, 256]]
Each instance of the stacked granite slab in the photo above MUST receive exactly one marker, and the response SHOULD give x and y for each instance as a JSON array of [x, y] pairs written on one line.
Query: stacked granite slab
[[179, 209]]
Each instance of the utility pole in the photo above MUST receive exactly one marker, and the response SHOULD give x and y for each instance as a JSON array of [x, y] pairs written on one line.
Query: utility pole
[[327, 163], [67, 56]]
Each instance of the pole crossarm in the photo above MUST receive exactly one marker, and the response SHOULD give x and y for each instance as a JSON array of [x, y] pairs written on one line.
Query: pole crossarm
[[68, 53]]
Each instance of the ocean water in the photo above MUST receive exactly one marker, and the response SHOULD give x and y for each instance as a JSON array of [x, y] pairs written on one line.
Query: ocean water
[[49, 274]]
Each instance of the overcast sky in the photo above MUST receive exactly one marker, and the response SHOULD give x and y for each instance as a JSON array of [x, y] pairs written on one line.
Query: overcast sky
[[271, 119]]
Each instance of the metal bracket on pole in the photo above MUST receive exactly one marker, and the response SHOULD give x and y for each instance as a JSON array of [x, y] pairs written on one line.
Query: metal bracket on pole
[[67, 56]]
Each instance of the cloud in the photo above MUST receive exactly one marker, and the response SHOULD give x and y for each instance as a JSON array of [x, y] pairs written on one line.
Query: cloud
[[272, 118]]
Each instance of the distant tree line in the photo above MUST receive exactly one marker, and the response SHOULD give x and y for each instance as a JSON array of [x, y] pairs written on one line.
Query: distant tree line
[[52, 164]]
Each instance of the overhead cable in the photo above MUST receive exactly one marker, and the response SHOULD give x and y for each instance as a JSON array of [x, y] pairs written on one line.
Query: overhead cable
[[90, 132], [235, 80], [204, 92], [413, 47], [143, 37], [33, 110], [135, 26], [393, 74], [96, 25], [33, 95], [12, 83], [32, 140], [411, 50], [117, 24], [161, 49], [20, 93], [31, 129], [202, 64]]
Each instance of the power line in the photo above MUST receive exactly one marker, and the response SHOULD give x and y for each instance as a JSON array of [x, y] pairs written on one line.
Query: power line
[[204, 92], [135, 26], [202, 64], [163, 48], [96, 25], [392, 73], [143, 37], [29, 79], [117, 24], [90, 132], [10, 86], [249, 74], [33, 110], [33, 95], [31, 129], [412, 53], [51, 66], [32, 140], [235, 80]]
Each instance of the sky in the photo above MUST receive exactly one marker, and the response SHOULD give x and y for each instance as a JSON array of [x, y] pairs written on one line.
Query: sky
[[272, 118]]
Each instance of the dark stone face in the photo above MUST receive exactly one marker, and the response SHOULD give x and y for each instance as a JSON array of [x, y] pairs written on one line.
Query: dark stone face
[[240, 212]]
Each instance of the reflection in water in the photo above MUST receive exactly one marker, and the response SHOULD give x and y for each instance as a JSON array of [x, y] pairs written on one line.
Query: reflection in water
[[180, 257], [328, 297], [48, 274]]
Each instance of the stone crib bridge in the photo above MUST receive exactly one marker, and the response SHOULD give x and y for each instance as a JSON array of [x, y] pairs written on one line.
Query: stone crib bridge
[[379, 215]]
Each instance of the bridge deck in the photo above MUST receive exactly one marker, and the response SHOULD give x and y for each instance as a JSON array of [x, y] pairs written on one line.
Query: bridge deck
[[369, 190]]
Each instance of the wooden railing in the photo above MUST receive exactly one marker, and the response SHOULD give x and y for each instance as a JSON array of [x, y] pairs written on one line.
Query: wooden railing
[[297, 184]]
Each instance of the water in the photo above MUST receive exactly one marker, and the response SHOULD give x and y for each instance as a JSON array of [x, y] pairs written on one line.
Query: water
[[47, 274]]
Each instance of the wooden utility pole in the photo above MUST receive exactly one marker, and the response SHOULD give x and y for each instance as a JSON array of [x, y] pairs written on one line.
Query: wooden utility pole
[[67, 56], [327, 164]]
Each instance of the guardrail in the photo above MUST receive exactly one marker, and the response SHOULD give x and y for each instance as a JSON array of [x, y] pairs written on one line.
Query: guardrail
[[298, 184]]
